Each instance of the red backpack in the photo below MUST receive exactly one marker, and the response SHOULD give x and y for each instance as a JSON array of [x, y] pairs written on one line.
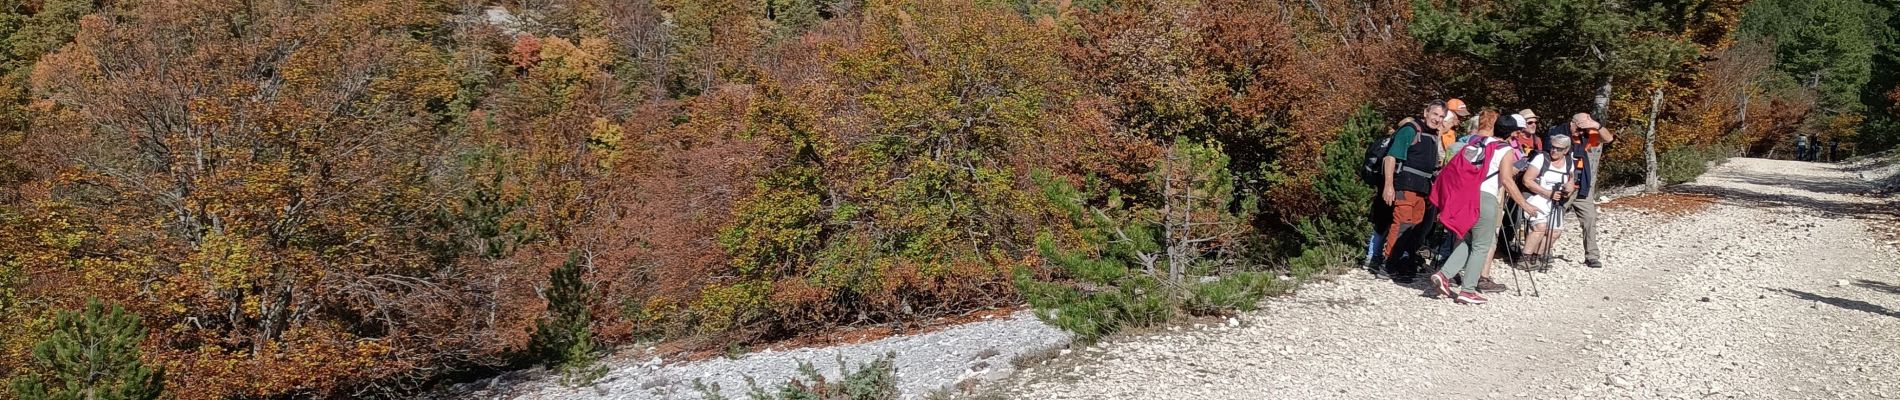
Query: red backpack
[[1455, 191]]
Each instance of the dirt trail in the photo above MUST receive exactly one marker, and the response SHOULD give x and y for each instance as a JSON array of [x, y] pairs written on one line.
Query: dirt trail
[[1779, 289]]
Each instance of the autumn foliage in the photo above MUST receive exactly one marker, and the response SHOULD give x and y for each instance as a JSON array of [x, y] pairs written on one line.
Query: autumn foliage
[[365, 198]]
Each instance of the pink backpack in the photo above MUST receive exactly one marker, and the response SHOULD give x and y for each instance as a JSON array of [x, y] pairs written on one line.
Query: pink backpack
[[1455, 191]]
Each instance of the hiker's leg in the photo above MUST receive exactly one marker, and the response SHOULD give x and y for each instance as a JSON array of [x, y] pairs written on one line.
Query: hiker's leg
[[1534, 243], [1381, 217], [1587, 216], [1440, 253], [1455, 263], [1483, 236], [1408, 211], [1375, 243]]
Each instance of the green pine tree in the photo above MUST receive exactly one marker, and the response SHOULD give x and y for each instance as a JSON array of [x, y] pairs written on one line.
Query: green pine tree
[[91, 355], [564, 338]]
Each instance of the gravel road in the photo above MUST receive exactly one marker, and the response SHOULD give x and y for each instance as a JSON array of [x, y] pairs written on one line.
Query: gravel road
[[1787, 286], [1777, 290]]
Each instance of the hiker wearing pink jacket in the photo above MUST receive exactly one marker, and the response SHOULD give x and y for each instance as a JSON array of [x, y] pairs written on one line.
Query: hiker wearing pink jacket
[[1488, 162]]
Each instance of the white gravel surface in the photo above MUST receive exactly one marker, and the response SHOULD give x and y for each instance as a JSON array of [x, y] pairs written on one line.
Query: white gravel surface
[[924, 363], [1778, 291]]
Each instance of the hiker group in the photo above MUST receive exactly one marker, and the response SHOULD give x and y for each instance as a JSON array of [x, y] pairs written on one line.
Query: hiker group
[[1473, 182], [1814, 150]]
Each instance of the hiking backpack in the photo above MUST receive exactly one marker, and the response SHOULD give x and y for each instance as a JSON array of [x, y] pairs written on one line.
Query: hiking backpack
[[1455, 191], [1372, 168]]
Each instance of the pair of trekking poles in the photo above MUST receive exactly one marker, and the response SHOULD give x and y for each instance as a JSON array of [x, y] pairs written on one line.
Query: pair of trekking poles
[[1551, 224]]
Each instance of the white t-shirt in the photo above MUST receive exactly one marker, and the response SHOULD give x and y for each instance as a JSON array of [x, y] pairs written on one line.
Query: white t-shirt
[[1493, 172], [1553, 175]]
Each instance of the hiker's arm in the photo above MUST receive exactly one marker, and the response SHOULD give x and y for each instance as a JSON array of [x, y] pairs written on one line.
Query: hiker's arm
[[1510, 186], [1530, 181], [1605, 132], [1388, 194]]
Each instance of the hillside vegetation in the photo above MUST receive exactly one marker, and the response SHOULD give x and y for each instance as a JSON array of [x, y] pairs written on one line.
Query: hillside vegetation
[[364, 198]]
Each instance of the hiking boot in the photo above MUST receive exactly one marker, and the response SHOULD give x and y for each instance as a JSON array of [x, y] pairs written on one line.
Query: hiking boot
[[1486, 285], [1471, 298], [1593, 263], [1441, 283], [1376, 267], [1533, 264], [1404, 279]]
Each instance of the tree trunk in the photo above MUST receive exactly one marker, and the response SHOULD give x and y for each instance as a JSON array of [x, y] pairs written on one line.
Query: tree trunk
[[1741, 114], [1602, 103], [1171, 233], [1650, 181]]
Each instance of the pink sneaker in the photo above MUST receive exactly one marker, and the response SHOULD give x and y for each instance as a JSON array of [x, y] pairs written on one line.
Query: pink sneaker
[[1441, 283], [1470, 298]]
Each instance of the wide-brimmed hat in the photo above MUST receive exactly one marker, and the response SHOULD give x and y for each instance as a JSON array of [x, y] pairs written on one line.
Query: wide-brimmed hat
[[1527, 114]]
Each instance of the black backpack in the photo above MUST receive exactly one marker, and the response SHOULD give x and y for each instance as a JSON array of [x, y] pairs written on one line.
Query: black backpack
[[1372, 168]]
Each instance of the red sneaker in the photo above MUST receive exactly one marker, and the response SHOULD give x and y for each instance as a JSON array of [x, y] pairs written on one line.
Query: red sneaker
[[1442, 283], [1470, 298]]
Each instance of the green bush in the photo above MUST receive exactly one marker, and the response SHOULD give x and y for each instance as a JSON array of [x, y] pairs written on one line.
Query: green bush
[[875, 380], [1323, 259], [1122, 269], [1239, 291], [564, 338], [1684, 164], [1346, 199], [91, 355]]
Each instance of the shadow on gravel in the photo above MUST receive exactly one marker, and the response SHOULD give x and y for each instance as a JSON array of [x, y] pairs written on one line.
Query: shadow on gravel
[[1757, 199], [1850, 304], [1829, 186], [1878, 285]]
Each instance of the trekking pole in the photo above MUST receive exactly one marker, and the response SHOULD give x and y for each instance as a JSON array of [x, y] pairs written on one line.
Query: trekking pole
[[1543, 255], [1551, 223], [1522, 223]]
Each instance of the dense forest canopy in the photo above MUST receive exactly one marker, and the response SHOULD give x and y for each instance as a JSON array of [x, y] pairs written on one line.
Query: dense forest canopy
[[364, 198]]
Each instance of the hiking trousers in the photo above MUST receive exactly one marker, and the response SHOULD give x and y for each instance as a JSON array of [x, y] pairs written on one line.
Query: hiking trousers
[[1468, 255], [1586, 209], [1408, 214]]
